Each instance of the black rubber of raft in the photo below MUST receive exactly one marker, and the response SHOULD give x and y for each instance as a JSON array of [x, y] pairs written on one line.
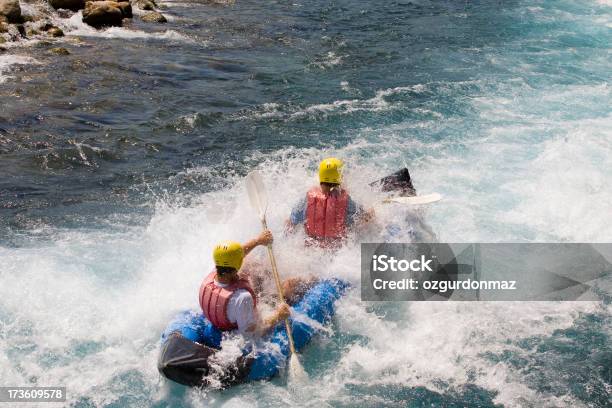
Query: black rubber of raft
[[185, 362], [399, 181]]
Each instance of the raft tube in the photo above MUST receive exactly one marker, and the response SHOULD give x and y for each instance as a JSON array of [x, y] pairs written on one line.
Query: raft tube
[[190, 340]]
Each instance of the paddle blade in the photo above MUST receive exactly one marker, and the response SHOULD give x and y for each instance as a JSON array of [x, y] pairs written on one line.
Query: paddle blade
[[256, 190], [415, 200], [297, 375]]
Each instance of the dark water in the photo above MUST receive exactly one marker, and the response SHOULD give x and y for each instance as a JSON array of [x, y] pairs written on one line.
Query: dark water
[[229, 81], [110, 156]]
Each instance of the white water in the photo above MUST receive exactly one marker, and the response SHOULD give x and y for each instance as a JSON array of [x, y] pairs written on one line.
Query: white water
[[76, 27], [86, 310], [8, 62]]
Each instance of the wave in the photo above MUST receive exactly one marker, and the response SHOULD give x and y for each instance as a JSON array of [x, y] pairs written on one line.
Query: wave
[[77, 27], [380, 102], [9, 61], [95, 306], [519, 156]]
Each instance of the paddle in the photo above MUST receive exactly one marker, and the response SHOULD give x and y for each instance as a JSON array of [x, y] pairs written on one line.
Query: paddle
[[415, 200], [259, 201], [401, 182]]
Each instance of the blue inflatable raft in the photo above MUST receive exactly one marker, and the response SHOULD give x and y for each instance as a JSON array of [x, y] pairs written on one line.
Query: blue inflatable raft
[[190, 340]]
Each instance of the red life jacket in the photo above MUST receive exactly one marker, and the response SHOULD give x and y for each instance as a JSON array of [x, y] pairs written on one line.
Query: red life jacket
[[214, 300], [326, 214]]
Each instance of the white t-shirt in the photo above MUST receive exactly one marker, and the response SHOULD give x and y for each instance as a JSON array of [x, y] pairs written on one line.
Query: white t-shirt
[[240, 308]]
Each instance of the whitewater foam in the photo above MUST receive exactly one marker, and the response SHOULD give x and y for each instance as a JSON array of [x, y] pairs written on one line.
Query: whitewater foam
[[378, 103], [77, 27], [97, 301], [522, 160], [9, 61]]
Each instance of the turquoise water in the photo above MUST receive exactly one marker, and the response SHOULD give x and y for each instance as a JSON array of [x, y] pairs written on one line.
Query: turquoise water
[[123, 163]]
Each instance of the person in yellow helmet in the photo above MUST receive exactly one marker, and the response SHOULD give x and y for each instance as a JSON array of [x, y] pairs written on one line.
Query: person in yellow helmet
[[328, 211], [228, 300]]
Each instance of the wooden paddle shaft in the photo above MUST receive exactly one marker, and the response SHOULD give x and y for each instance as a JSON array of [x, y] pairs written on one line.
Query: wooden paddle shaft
[[279, 287]]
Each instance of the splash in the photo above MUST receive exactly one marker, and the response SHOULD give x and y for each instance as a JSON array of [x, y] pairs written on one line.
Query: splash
[[77, 27], [7, 62], [297, 375], [520, 149]]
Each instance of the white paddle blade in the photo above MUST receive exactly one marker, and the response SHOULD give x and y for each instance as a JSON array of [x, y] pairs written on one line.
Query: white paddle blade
[[416, 200], [256, 190], [297, 375]]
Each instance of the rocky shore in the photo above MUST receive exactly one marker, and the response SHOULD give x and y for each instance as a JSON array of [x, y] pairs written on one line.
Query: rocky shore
[[26, 19]]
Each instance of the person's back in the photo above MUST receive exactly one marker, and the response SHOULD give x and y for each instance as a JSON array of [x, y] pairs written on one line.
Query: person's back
[[228, 306], [227, 299], [327, 211]]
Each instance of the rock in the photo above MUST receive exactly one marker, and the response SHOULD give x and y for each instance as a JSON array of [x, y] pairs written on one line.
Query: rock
[[79, 65], [2, 40], [31, 32], [154, 17], [102, 13], [11, 10], [65, 13], [55, 32], [59, 51], [145, 4], [126, 9], [74, 5], [4, 27], [21, 30]]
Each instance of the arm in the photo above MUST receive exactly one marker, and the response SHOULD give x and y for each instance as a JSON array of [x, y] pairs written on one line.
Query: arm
[[264, 238], [282, 312], [357, 215], [366, 216], [249, 322], [298, 215]]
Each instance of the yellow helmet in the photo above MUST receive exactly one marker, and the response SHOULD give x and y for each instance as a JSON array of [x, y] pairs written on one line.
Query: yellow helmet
[[330, 171], [228, 253]]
